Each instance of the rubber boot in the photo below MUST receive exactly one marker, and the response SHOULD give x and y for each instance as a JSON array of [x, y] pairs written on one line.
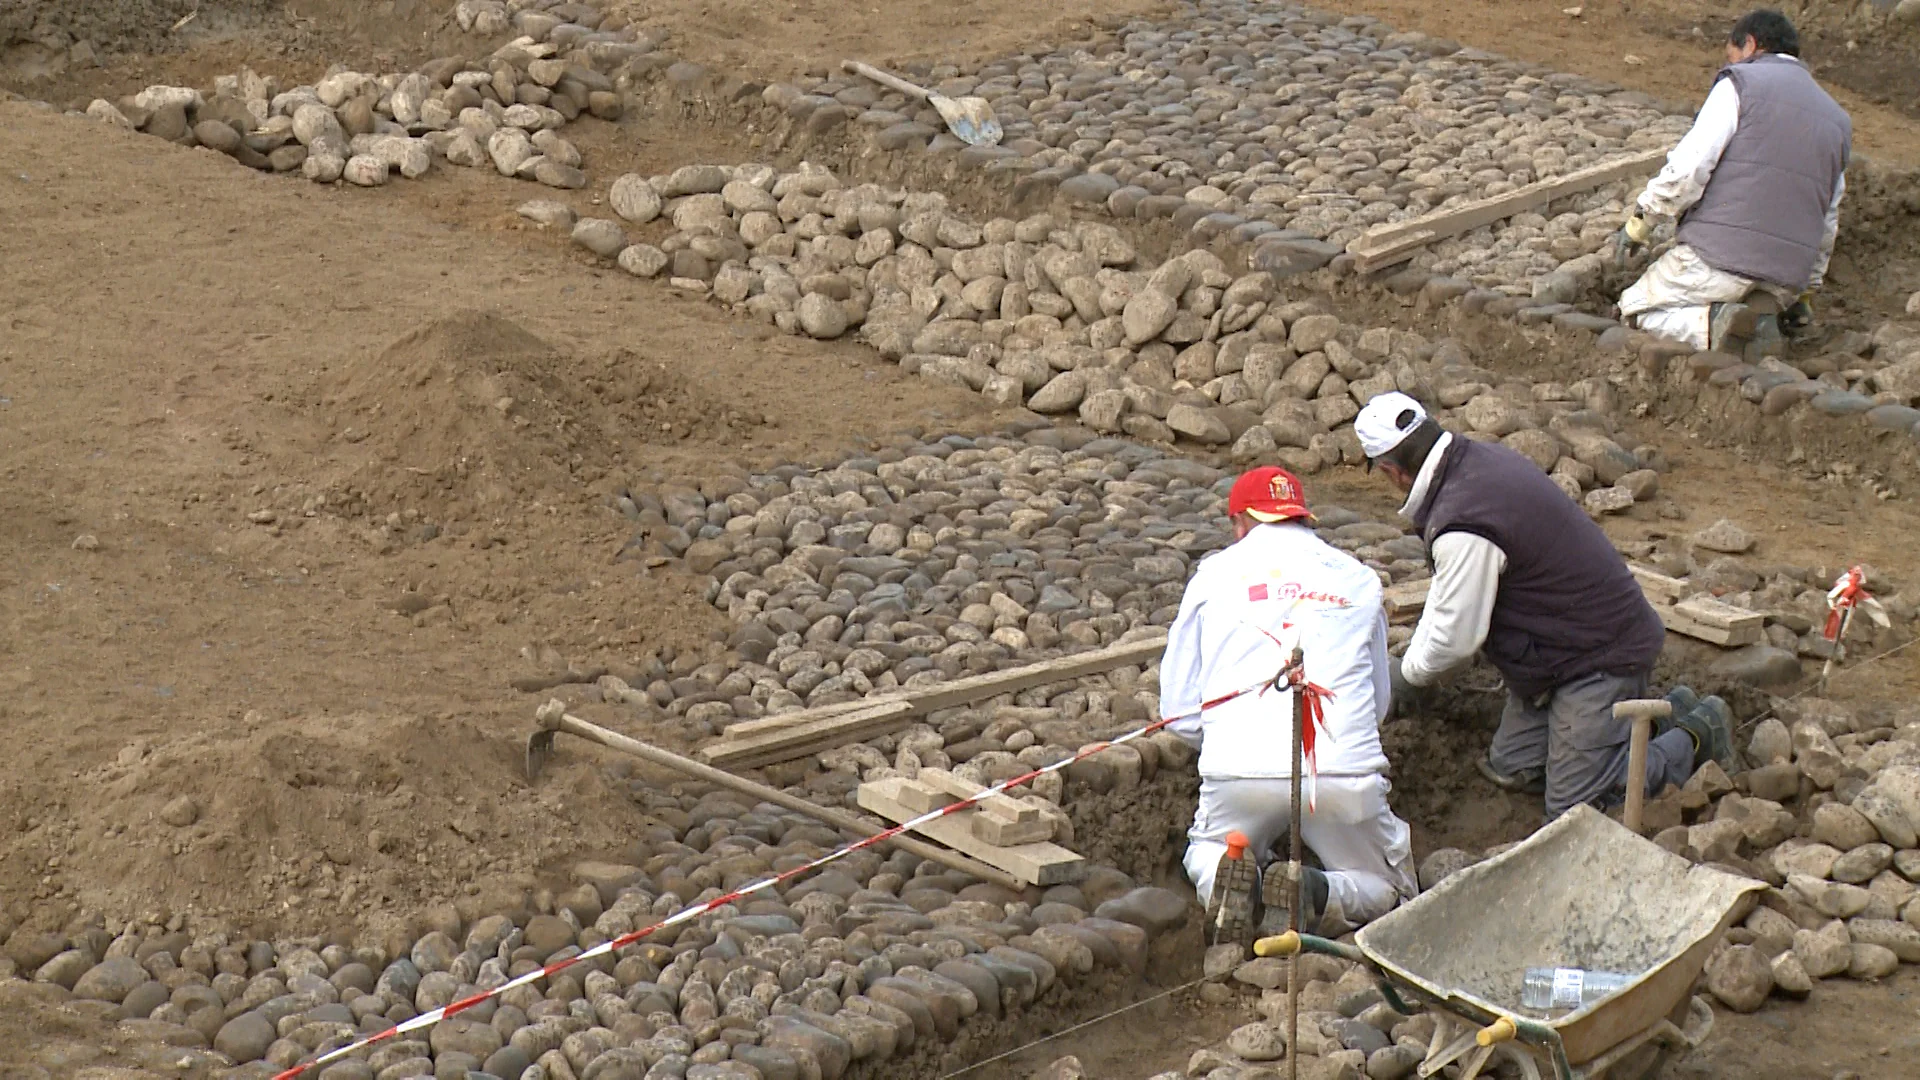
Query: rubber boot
[[1233, 911], [1684, 701], [1711, 725]]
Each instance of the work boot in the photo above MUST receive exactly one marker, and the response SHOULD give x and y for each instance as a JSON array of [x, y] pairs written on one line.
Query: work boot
[[1233, 909], [1520, 781], [1729, 327], [1277, 900], [1684, 701], [1711, 725], [1766, 339]]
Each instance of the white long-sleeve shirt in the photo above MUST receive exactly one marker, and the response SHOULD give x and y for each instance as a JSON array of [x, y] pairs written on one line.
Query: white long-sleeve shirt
[[1466, 579], [1275, 575], [1690, 165]]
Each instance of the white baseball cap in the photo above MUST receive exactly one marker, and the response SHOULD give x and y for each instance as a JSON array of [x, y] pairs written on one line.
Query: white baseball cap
[[1386, 421]]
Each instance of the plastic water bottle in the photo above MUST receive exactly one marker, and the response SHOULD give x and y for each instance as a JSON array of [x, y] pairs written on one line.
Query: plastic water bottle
[[1568, 988]]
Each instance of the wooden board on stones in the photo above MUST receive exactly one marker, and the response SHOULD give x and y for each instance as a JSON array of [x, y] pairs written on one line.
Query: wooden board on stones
[[784, 743], [809, 731], [1001, 820], [1405, 601], [1700, 617], [1712, 621], [1389, 245], [1035, 863], [937, 787], [1658, 586]]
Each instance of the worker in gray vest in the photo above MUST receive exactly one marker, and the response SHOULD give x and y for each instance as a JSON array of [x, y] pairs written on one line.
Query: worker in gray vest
[[1521, 574], [1756, 186]]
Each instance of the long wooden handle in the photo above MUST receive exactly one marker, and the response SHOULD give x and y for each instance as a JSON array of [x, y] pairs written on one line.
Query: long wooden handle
[[613, 740], [1637, 771], [887, 79]]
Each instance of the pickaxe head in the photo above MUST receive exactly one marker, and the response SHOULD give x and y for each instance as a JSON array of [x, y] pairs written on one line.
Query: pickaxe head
[[539, 749]]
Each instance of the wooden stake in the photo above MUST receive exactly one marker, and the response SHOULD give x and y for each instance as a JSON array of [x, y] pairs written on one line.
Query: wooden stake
[[1295, 859]]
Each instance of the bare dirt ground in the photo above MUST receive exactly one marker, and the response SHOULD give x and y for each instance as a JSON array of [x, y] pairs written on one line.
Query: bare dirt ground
[[1671, 49], [787, 36], [344, 462]]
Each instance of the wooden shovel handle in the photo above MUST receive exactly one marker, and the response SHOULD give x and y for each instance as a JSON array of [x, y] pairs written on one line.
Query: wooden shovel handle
[[887, 79]]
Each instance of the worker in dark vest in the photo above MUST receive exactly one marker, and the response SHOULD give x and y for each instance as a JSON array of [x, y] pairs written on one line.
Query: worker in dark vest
[[1756, 187], [1522, 575]]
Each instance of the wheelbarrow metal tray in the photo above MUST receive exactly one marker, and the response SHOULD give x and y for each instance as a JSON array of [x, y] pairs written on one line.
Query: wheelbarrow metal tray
[[1583, 892]]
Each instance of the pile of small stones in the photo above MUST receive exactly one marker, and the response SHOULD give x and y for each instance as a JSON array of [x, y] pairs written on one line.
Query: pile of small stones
[[1062, 317], [1268, 120], [861, 963], [1875, 377], [1720, 561], [503, 111], [1304, 121], [1291, 131]]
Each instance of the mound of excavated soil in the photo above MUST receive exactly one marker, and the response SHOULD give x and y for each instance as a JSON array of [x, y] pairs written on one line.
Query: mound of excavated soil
[[328, 820], [473, 413]]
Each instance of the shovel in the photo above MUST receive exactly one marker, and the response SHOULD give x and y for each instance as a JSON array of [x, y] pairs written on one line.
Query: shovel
[[969, 118]]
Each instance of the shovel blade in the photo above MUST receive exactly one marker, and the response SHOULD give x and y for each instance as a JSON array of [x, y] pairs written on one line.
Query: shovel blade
[[970, 119]]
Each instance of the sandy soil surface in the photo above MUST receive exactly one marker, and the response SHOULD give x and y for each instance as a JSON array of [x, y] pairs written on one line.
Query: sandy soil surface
[[1671, 49], [347, 467], [787, 36]]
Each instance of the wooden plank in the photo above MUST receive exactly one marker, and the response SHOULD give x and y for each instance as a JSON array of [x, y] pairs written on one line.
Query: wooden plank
[[1712, 622], [783, 721], [1405, 601], [1012, 833], [959, 787], [921, 798], [947, 695], [997, 820], [1658, 587], [1036, 864], [783, 738], [1387, 245], [1746, 626], [881, 716]]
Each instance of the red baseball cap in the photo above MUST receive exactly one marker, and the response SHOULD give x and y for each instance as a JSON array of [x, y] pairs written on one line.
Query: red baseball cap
[[1268, 493]]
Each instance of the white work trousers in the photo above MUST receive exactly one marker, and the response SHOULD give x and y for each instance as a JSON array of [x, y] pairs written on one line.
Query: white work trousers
[[1365, 849], [1675, 297]]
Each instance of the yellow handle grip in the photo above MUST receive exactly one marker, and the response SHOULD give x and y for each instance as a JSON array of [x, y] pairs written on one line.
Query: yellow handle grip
[[1285, 944], [1501, 1030]]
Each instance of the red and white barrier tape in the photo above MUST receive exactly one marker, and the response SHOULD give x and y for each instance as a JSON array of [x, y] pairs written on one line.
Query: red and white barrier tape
[[433, 1016]]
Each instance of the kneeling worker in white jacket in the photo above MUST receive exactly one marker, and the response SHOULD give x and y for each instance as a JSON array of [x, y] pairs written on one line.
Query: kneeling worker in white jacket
[[1279, 578]]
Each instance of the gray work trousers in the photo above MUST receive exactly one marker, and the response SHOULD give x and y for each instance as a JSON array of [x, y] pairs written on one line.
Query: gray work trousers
[[1572, 734]]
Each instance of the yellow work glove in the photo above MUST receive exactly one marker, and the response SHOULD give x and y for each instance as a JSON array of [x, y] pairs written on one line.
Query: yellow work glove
[[1633, 236]]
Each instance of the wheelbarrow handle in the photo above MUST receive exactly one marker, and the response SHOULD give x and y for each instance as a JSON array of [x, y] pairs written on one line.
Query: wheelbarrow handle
[[1293, 941], [1501, 1030], [885, 78]]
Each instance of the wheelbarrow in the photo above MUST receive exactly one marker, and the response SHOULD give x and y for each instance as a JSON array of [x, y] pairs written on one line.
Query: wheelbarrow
[[1583, 892]]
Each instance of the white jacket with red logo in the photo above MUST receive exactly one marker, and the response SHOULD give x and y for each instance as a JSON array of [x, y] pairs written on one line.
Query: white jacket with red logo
[[1278, 574]]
